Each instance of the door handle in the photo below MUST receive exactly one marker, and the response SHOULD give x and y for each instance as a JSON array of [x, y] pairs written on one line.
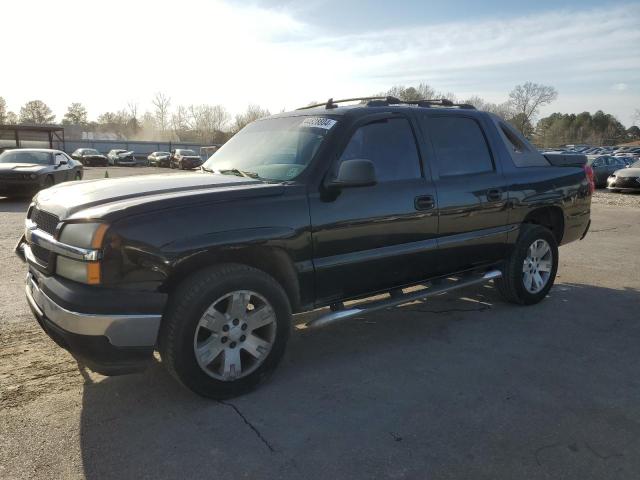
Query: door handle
[[425, 202], [494, 194]]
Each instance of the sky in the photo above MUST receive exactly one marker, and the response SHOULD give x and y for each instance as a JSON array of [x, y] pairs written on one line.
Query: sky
[[284, 54]]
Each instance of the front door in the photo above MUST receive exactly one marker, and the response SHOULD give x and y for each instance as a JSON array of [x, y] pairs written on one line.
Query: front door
[[382, 236]]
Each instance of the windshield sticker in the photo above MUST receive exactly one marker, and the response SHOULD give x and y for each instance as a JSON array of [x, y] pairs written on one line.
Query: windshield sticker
[[318, 122]]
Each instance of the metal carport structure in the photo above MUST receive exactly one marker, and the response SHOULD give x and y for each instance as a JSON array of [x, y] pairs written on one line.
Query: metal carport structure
[[33, 136]]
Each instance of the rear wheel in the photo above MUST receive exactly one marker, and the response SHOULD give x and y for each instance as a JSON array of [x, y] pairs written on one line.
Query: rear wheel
[[225, 330], [530, 269]]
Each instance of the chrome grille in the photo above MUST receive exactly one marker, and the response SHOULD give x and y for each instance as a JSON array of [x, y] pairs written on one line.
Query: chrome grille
[[45, 221]]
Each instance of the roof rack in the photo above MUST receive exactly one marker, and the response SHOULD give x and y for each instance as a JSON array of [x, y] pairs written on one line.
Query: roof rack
[[388, 100]]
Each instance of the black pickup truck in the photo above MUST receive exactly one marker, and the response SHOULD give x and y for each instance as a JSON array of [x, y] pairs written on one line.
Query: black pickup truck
[[298, 211]]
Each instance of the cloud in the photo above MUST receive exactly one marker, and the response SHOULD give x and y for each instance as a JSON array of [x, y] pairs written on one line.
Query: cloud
[[234, 54], [620, 87]]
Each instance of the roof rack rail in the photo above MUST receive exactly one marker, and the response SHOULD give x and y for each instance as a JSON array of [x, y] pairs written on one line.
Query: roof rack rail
[[388, 100]]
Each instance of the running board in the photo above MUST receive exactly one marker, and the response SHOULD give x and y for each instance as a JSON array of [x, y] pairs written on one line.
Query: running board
[[395, 300]]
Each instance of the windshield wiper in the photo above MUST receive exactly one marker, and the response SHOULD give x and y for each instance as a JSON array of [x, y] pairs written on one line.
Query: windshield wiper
[[239, 173], [205, 169]]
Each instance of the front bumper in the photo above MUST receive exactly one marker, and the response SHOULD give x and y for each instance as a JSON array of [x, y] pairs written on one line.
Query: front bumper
[[112, 331], [15, 187], [624, 184]]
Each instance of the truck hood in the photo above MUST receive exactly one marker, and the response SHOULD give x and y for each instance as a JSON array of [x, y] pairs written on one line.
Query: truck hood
[[627, 172], [109, 198]]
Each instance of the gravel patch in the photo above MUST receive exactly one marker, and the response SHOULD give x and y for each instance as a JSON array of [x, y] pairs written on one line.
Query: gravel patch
[[604, 197]]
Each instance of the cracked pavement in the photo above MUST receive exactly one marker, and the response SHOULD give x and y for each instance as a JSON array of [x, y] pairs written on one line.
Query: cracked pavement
[[460, 386]]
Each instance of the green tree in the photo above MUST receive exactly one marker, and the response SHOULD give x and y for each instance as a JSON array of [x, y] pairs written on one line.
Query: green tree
[[36, 112], [598, 129], [76, 115], [522, 123], [633, 133]]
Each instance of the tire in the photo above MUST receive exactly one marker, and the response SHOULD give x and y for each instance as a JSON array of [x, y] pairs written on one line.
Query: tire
[[78, 176], [513, 283], [180, 333]]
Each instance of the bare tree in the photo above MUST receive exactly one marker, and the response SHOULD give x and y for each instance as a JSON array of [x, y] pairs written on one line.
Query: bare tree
[[526, 100], [161, 102], [503, 110], [132, 110], [253, 113], [207, 121], [3, 111], [179, 120], [76, 115], [36, 111]]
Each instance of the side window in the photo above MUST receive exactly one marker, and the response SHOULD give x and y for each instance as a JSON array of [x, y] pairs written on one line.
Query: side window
[[60, 158], [517, 144], [390, 145], [598, 162], [460, 146]]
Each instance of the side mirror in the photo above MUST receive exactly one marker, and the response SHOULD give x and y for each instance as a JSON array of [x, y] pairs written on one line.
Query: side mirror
[[355, 173]]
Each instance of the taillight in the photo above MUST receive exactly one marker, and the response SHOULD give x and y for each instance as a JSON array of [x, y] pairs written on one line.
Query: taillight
[[589, 173]]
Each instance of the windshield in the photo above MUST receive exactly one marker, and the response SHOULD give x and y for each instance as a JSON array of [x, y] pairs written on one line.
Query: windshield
[[272, 149], [41, 158], [91, 152]]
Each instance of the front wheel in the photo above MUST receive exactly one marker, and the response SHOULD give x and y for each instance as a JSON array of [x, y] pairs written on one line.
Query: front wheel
[[530, 269], [225, 330]]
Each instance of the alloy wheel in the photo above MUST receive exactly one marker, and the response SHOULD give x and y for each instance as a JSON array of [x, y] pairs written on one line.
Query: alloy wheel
[[537, 266], [235, 335]]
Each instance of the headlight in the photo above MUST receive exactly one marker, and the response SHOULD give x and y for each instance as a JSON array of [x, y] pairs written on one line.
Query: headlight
[[83, 235]]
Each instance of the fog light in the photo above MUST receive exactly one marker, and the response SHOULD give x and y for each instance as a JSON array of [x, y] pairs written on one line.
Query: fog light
[[78, 271]]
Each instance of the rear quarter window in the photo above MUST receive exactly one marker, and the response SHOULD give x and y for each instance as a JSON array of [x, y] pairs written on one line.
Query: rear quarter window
[[522, 153]]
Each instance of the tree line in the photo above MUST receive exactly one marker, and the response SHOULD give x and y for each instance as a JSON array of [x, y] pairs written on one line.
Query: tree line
[[522, 108], [211, 124], [205, 124]]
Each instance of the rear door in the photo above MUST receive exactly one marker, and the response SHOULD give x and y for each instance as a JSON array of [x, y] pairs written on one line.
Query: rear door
[[377, 237], [472, 196]]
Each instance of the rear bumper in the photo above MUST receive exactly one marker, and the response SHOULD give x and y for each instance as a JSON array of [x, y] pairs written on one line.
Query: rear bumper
[[111, 343]]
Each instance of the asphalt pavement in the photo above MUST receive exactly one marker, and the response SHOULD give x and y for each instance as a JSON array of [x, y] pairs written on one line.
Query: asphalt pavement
[[460, 386]]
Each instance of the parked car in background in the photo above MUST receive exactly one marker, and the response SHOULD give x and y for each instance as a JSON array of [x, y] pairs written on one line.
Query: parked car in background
[[625, 179], [603, 166], [25, 171], [206, 152], [185, 159], [121, 157], [159, 159], [90, 157]]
